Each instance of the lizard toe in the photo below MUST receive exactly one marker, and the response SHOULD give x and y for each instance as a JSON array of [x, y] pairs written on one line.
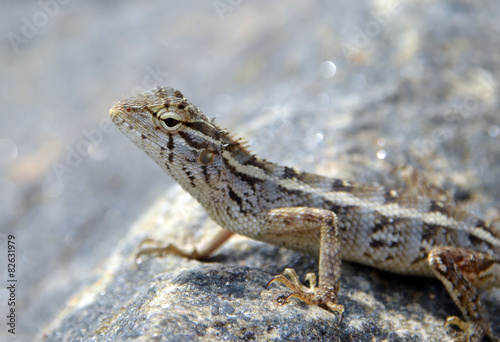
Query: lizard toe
[[471, 331]]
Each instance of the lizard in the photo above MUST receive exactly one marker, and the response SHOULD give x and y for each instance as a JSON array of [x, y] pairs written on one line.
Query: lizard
[[332, 219]]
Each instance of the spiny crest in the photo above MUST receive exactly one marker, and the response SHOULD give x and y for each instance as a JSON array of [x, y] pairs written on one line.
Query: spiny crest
[[236, 145]]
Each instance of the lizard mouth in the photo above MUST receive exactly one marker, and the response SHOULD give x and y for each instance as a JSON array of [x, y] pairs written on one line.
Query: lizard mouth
[[119, 117], [114, 112]]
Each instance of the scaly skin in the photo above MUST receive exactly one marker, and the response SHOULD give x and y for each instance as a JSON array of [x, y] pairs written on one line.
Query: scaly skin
[[325, 217]]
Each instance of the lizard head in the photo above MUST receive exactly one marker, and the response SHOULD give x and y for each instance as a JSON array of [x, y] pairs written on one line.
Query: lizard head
[[175, 134]]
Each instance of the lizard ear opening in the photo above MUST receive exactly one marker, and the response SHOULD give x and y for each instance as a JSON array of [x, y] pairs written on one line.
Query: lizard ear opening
[[206, 156]]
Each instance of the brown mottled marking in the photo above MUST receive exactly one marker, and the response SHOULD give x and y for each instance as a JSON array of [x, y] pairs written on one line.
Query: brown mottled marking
[[178, 94], [182, 105], [289, 172], [205, 129], [390, 196]]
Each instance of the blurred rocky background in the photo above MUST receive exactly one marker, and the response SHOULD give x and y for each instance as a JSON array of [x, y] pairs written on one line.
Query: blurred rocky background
[[346, 89]]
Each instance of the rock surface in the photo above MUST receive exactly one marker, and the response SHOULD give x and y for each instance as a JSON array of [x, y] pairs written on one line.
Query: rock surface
[[174, 299]]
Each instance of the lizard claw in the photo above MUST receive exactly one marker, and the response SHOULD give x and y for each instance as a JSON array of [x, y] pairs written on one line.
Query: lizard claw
[[471, 331], [162, 251], [322, 296], [282, 300]]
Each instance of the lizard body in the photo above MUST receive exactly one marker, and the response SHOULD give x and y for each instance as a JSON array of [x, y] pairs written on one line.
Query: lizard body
[[330, 218]]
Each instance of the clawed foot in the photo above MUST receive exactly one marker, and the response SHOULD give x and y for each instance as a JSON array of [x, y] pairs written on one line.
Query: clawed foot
[[324, 296], [162, 251], [471, 331]]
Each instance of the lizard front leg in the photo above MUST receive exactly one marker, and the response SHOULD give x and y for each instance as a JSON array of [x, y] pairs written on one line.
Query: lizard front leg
[[196, 254], [305, 229], [462, 271]]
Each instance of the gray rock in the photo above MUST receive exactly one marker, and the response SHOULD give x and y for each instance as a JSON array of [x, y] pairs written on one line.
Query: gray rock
[[175, 299]]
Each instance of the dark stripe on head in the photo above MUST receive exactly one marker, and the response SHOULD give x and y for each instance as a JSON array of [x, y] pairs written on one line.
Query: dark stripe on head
[[237, 199], [182, 105], [150, 111], [206, 176], [204, 128], [170, 143], [191, 142], [178, 94], [190, 176]]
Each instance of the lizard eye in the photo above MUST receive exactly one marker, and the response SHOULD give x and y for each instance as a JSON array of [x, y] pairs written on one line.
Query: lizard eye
[[207, 156], [170, 121]]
